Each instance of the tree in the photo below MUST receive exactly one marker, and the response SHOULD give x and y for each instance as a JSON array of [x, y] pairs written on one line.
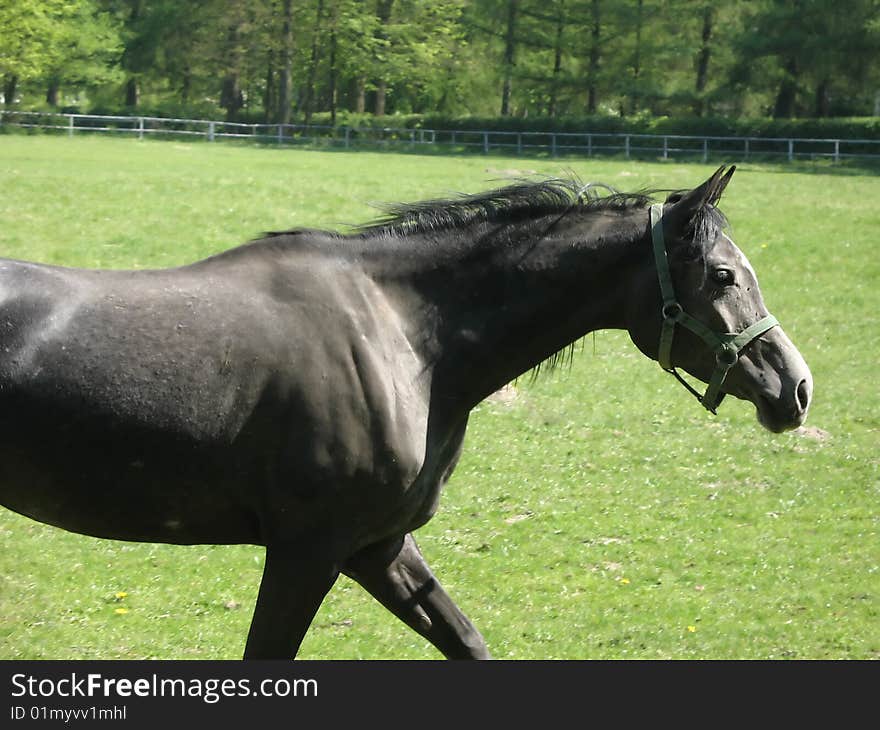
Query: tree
[[808, 47], [509, 55], [595, 56], [285, 81], [86, 50], [274, 58], [30, 30]]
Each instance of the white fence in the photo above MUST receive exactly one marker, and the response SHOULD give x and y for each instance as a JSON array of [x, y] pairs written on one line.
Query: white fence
[[589, 144]]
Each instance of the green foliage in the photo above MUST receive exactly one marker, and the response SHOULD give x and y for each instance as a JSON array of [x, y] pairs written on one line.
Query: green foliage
[[72, 42], [559, 59], [818, 51], [597, 513]]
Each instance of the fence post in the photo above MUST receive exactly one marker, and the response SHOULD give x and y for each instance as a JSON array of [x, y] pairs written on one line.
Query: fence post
[[70, 126], [790, 150], [746, 150], [519, 143], [705, 149], [140, 127], [210, 131], [665, 148], [836, 151], [626, 145], [485, 142], [453, 137], [280, 134], [347, 136], [589, 145], [553, 145]]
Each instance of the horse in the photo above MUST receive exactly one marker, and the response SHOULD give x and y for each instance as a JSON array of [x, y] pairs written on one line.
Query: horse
[[309, 391]]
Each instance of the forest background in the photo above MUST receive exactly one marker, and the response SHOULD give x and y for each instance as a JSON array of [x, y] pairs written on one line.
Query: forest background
[[517, 62]]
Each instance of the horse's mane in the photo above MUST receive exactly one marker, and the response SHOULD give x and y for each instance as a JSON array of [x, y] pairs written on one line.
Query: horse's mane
[[520, 201]]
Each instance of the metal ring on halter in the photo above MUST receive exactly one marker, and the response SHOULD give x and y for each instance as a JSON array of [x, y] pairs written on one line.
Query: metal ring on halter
[[727, 355], [671, 310]]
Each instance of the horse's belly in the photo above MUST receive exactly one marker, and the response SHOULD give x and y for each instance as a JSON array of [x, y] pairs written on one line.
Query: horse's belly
[[124, 484], [128, 511]]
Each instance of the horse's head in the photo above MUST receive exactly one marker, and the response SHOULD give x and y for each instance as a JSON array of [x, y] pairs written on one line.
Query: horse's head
[[702, 311]]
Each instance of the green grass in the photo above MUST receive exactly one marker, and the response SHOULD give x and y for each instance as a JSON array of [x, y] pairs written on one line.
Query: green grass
[[598, 514]]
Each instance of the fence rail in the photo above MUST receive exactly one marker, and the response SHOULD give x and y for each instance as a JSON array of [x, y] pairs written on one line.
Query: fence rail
[[590, 144]]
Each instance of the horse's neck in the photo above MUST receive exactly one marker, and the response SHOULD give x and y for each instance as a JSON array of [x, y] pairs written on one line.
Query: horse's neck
[[495, 302]]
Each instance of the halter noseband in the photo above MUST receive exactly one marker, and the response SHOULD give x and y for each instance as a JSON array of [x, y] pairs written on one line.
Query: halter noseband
[[726, 346]]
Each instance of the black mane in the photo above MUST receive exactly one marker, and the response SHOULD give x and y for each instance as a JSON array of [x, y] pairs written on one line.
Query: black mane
[[520, 201]]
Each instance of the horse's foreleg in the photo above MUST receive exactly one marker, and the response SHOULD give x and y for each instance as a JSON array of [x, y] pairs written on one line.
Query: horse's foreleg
[[396, 574], [294, 584]]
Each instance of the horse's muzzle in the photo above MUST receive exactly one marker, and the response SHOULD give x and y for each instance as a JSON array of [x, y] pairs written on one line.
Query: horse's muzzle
[[787, 412], [773, 375]]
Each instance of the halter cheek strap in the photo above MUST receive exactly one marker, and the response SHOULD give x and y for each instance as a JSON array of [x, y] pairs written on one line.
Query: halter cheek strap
[[726, 346]]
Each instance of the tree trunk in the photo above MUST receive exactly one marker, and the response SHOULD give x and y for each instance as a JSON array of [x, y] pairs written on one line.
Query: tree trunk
[[379, 105], [52, 92], [10, 84], [309, 102], [509, 56], [231, 96], [635, 101], [186, 83], [285, 82], [270, 96], [595, 59], [383, 12], [823, 98], [332, 80], [785, 98], [700, 104], [360, 95], [557, 64], [132, 93]]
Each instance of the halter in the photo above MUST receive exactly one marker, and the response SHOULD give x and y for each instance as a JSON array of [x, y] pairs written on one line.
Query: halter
[[726, 346]]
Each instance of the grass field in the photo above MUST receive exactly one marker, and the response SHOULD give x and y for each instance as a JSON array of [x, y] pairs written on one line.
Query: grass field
[[597, 513]]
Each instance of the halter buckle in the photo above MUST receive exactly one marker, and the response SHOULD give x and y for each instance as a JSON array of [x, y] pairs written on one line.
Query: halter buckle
[[727, 355], [671, 310]]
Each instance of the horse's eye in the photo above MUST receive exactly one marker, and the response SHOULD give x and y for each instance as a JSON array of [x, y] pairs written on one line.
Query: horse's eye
[[724, 277]]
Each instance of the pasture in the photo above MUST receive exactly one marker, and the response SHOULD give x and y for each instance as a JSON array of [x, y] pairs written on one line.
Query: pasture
[[597, 513]]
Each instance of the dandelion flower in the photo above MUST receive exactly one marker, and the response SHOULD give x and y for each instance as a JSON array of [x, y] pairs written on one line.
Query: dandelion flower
[[120, 611], [120, 595], [692, 629], [625, 581]]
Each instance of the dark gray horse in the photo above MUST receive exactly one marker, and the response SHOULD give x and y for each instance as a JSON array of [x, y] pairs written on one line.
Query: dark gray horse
[[309, 391]]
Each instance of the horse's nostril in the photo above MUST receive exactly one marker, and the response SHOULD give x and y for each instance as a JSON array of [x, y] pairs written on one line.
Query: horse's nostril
[[803, 395]]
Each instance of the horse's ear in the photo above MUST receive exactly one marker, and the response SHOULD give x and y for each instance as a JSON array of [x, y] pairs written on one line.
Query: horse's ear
[[682, 207]]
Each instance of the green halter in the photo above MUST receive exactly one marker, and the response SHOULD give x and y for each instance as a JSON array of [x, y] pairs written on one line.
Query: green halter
[[726, 346]]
